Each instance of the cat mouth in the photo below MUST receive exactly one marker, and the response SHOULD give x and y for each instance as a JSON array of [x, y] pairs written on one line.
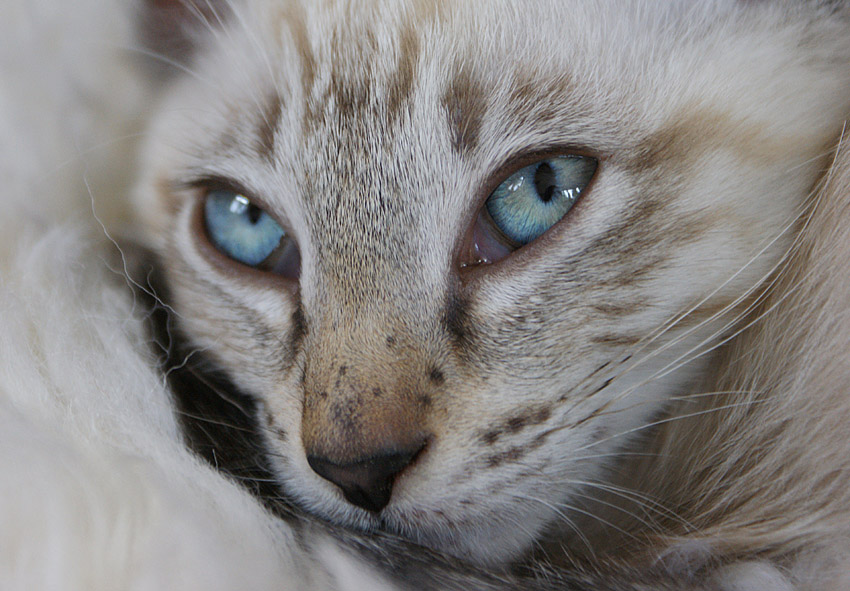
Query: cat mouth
[[220, 424]]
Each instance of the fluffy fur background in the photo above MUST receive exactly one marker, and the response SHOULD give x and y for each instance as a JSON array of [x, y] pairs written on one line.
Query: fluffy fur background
[[97, 490]]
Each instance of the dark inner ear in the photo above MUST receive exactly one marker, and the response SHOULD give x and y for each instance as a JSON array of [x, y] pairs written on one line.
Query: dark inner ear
[[172, 30]]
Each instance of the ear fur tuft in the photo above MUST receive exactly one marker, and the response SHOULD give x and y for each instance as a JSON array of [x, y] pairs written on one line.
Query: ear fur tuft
[[172, 30]]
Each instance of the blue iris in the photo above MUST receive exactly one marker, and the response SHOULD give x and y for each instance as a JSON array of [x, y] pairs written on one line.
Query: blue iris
[[536, 197], [240, 229]]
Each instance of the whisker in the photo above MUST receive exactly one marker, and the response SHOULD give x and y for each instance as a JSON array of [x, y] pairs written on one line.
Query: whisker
[[644, 501], [170, 62], [593, 516], [665, 421], [763, 285], [564, 518], [648, 525]]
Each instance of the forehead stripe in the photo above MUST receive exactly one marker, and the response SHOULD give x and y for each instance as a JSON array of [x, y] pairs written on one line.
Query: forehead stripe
[[465, 106], [267, 127]]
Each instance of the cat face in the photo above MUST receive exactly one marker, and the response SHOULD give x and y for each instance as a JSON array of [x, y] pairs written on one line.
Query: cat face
[[419, 372]]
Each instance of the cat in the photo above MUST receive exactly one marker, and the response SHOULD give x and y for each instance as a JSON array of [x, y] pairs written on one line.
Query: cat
[[498, 295], [502, 278], [486, 269]]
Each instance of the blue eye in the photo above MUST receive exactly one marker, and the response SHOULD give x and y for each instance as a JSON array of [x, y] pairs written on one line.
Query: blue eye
[[240, 229], [535, 198]]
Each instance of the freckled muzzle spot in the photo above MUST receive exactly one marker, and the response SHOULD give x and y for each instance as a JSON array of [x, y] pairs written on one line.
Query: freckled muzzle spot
[[365, 418], [512, 425], [437, 377]]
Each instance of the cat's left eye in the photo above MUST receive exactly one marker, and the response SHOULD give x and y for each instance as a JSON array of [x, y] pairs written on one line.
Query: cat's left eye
[[245, 233], [527, 204]]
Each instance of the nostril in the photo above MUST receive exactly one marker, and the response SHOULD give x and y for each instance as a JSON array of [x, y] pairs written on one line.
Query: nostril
[[366, 483]]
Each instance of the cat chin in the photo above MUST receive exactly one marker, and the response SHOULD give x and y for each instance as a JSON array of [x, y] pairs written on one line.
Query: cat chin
[[483, 540], [488, 536], [479, 541]]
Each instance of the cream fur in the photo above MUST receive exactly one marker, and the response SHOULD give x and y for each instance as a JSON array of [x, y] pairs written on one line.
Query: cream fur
[[712, 122]]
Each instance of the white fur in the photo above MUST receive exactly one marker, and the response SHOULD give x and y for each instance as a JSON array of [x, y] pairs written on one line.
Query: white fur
[[97, 490], [752, 576]]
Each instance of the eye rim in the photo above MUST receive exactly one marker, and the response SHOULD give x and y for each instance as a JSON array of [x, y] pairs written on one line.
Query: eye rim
[[523, 254], [222, 263]]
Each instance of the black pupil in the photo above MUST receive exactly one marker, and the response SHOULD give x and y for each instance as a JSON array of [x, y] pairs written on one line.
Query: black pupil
[[545, 182], [254, 213]]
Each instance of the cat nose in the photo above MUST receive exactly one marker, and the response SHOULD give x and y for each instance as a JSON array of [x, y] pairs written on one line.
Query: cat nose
[[367, 483]]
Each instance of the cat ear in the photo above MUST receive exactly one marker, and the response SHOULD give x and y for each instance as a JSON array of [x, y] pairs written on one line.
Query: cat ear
[[171, 30]]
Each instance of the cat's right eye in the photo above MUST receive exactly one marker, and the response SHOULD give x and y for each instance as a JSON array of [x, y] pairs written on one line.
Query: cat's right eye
[[242, 231]]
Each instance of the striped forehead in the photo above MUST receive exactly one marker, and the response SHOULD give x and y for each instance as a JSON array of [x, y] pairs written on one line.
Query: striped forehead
[[362, 86], [353, 78], [368, 141], [388, 118], [355, 75], [400, 111], [361, 66]]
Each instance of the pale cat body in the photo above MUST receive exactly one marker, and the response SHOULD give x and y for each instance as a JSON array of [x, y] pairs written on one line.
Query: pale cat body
[[591, 399]]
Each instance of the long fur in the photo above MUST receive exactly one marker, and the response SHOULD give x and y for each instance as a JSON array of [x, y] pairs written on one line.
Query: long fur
[[771, 474]]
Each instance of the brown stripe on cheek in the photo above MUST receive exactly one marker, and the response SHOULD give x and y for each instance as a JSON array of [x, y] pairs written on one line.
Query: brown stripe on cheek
[[616, 340], [465, 106], [615, 310], [637, 246], [530, 417], [515, 454], [269, 121], [691, 132], [723, 310], [651, 246], [679, 142]]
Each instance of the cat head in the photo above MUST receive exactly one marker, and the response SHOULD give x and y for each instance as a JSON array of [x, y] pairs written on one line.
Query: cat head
[[465, 253]]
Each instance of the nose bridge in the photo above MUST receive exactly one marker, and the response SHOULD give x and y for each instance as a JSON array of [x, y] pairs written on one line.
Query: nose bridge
[[369, 378], [361, 392], [365, 230], [360, 306], [365, 411], [362, 292]]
